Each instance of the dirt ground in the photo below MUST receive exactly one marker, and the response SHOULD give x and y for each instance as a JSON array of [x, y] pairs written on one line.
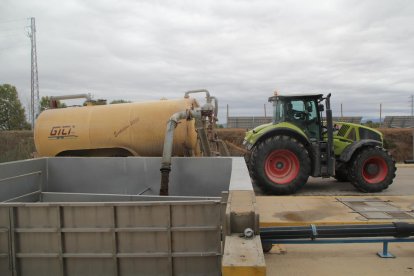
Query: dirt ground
[[397, 140]]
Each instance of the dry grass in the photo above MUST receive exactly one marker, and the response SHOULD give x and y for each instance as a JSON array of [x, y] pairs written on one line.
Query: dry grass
[[18, 145]]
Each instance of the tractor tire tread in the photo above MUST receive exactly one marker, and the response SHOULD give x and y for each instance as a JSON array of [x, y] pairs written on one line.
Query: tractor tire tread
[[260, 153], [356, 178]]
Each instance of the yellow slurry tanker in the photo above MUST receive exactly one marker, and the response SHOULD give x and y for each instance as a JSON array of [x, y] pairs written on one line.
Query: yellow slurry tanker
[[130, 129]]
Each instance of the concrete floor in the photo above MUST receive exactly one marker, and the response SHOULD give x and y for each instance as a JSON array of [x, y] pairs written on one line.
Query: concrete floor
[[403, 185], [345, 259], [339, 259]]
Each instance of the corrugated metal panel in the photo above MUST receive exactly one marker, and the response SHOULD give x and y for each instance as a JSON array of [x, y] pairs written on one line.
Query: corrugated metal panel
[[135, 238], [399, 121], [247, 122]]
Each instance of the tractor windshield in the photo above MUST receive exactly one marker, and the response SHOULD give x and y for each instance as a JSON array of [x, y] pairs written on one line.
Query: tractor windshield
[[301, 112]]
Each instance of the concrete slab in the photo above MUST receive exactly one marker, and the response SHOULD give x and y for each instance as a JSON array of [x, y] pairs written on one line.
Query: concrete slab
[[339, 259], [320, 210]]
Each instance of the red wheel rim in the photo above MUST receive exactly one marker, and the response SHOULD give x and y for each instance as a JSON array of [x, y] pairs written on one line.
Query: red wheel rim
[[374, 170], [282, 166]]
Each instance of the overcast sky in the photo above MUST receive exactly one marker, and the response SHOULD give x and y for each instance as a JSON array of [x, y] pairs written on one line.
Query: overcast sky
[[360, 51]]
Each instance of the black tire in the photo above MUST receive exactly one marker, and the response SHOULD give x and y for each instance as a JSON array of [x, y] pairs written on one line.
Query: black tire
[[247, 158], [372, 170], [280, 165], [341, 173]]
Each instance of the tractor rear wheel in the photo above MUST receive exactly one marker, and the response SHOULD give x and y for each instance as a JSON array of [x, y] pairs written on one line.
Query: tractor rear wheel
[[280, 165], [372, 170], [341, 173]]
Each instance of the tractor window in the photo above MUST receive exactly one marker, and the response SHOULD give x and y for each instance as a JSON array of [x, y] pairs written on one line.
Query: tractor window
[[300, 112], [303, 113], [279, 115], [352, 135]]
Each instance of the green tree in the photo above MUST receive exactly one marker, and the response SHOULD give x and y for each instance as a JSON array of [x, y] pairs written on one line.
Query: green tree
[[45, 103], [119, 101], [11, 110]]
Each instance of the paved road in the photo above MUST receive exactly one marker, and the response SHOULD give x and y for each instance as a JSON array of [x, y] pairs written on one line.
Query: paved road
[[403, 185]]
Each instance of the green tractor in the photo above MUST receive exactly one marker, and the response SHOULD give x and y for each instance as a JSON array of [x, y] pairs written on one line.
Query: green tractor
[[298, 144]]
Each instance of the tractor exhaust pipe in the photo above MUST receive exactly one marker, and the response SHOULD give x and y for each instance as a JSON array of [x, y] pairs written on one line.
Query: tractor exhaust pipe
[[329, 125]]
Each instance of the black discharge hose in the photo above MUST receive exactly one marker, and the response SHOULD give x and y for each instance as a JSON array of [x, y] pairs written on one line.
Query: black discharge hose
[[396, 229]]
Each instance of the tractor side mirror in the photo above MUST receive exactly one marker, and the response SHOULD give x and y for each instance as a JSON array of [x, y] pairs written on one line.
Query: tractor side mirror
[[321, 107]]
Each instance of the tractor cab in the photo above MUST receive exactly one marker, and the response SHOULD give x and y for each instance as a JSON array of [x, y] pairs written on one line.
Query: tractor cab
[[300, 110]]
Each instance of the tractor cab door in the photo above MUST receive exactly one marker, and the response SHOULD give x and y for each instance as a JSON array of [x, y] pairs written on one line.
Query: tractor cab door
[[304, 114]]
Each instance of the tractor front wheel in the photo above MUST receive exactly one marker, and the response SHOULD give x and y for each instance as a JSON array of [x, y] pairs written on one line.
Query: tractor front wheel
[[280, 165], [372, 170]]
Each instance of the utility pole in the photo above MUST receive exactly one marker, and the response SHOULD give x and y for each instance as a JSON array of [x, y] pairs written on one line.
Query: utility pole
[[380, 115], [264, 106], [412, 105], [227, 115], [34, 88], [342, 115]]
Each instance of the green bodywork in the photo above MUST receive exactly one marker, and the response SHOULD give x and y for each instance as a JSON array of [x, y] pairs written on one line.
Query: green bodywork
[[347, 134], [255, 134]]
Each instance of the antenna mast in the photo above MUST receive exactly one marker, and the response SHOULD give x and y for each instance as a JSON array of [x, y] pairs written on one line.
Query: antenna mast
[[34, 89]]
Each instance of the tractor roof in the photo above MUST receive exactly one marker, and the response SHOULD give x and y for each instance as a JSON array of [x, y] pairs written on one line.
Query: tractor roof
[[295, 96]]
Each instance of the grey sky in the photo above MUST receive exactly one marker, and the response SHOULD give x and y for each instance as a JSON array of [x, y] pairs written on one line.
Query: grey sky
[[360, 51]]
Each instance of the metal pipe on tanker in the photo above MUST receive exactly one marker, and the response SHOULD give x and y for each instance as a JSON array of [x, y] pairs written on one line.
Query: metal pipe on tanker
[[186, 95], [215, 106], [167, 150], [168, 146]]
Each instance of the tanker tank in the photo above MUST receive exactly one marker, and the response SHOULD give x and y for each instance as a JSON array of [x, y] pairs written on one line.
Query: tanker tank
[[129, 129]]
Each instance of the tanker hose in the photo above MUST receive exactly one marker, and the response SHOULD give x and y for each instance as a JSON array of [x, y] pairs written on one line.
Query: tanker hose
[[167, 151], [165, 178]]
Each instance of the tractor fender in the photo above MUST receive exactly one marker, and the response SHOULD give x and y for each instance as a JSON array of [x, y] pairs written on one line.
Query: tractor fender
[[349, 151], [284, 131]]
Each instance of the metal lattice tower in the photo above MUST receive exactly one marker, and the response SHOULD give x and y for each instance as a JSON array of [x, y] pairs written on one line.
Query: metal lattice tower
[[34, 95]]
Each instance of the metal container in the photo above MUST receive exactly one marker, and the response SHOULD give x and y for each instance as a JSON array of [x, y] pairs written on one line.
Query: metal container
[[102, 216], [130, 129]]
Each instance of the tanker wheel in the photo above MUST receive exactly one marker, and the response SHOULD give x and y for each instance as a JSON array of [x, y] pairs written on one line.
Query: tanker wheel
[[372, 170], [280, 165]]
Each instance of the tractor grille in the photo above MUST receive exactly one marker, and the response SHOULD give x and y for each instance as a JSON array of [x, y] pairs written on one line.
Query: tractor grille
[[342, 131]]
